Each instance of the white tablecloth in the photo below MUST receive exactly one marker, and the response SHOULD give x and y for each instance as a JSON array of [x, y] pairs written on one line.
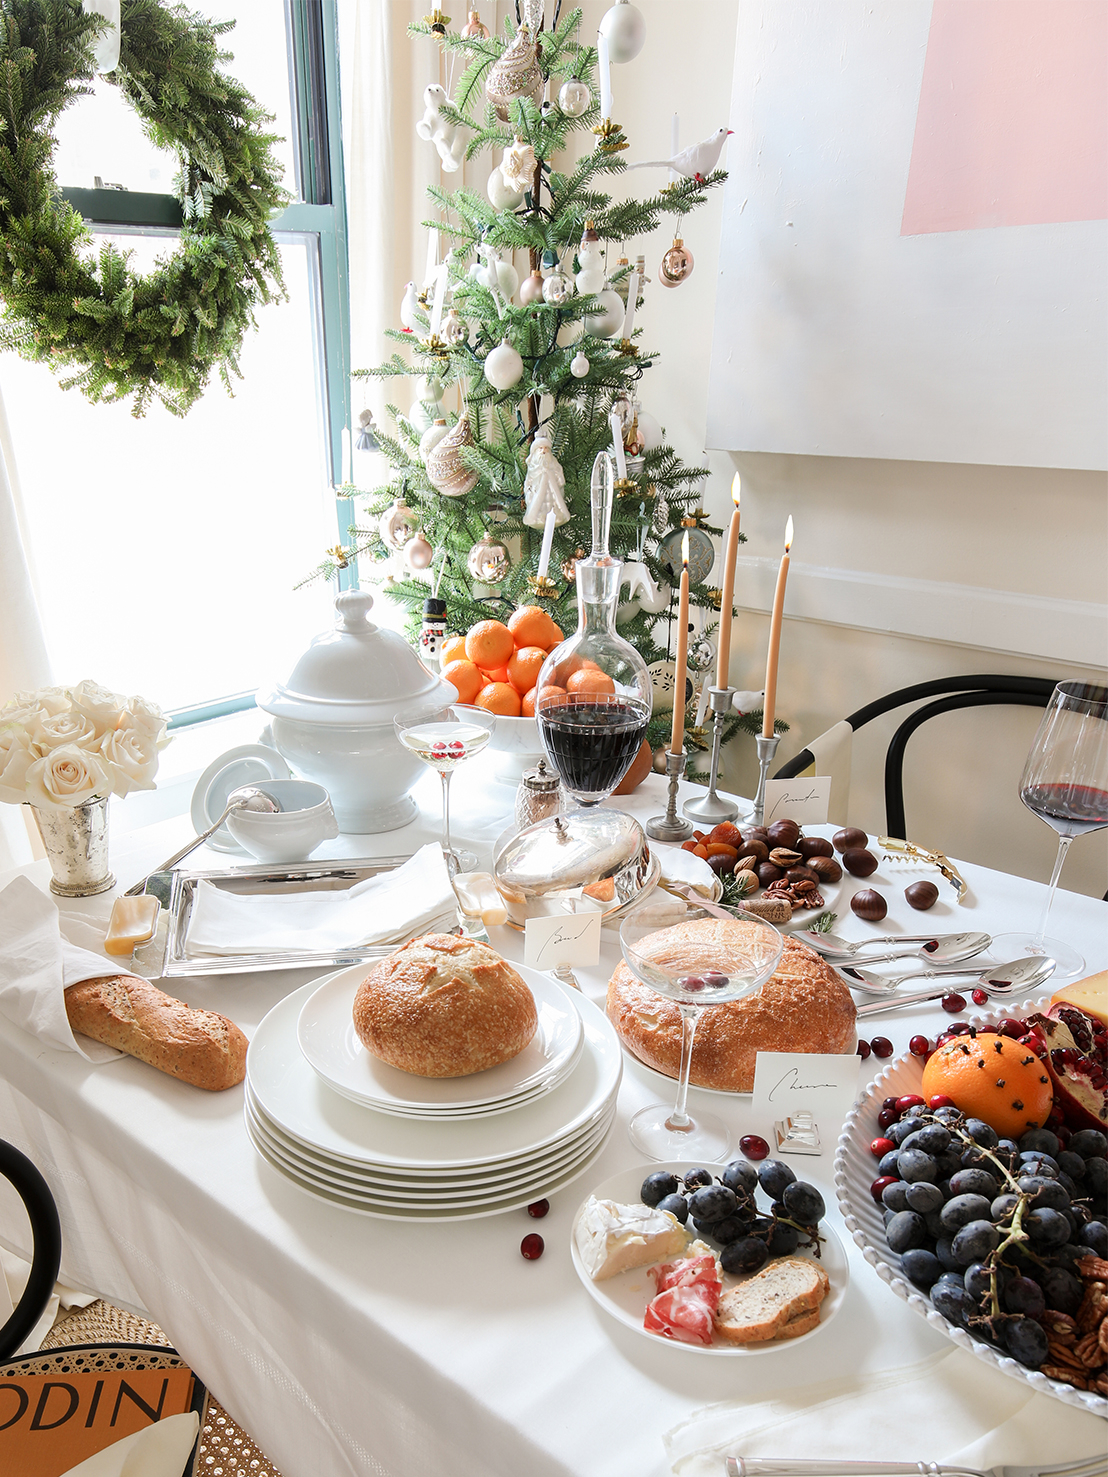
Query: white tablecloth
[[352, 1345]]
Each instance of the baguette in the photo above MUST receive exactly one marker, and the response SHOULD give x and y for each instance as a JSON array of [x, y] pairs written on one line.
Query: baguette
[[780, 1302], [196, 1046]]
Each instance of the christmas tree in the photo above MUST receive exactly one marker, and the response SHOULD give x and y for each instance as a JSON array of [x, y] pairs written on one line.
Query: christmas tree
[[541, 365]]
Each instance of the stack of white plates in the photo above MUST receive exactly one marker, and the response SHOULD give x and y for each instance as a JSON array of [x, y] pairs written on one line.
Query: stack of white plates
[[445, 1162]]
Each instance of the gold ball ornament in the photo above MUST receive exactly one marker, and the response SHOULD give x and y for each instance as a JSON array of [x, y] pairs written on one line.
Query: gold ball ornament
[[446, 471], [574, 98], [418, 553], [659, 761], [488, 561], [515, 75], [475, 27], [531, 289], [569, 566], [677, 264], [397, 525]]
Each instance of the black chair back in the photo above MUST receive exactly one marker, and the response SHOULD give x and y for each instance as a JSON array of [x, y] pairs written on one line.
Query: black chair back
[[46, 1233]]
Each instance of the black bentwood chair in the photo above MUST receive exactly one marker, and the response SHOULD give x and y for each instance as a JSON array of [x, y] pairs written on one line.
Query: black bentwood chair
[[982, 690]]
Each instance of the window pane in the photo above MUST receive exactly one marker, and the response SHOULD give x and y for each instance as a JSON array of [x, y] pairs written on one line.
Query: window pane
[[102, 135], [166, 549]]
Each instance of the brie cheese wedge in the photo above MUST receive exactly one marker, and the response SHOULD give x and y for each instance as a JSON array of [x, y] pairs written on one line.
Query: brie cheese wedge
[[611, 1237]]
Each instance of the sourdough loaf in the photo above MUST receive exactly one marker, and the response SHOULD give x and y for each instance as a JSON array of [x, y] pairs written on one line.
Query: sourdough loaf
[[804, 1006], [196, 1046], [444, 1006]]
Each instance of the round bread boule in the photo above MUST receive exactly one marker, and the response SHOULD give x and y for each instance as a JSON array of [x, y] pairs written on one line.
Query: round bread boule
[[444, 1006], [803, 1006]]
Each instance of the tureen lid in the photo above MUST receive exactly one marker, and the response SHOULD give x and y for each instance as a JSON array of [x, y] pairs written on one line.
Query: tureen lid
[[596, 854], [356, 673]]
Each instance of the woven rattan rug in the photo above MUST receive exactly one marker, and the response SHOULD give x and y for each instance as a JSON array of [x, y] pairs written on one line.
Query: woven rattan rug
[[225, 1448]]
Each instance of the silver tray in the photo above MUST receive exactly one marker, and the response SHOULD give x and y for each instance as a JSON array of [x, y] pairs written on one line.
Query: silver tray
[[334, 876]]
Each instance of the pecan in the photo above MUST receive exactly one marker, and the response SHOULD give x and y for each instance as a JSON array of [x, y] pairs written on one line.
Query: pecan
[[1089, 1351], [1059, 1323], [1065, 1376], [1065, 1355], [1102, 1336], [1091, 1311], [1093, 1266], [1100, 1383]]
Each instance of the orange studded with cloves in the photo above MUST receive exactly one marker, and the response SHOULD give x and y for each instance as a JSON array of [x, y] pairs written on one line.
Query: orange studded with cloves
[[993, 1078]]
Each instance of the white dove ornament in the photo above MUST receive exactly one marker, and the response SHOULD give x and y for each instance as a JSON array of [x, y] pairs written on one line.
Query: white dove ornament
[[696, 162], [409, 307]]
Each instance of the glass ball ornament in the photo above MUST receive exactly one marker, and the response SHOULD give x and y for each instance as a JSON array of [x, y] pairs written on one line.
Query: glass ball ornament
[[574, 98], [532, 289], [488, 561], [397, 525], [555, 290], [658, 763], [503, 367], [431, 438], [475, 26], [569, 566], [702, 654], [625, 31], [677, 264], [454, 330], [579, 365], [606, 318], [418, 553]]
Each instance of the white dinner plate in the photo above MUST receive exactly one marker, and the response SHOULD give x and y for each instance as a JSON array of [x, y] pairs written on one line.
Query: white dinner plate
[[855, 1171], [333, 1048], [625, 1297], [294, 1098], [248, 764]]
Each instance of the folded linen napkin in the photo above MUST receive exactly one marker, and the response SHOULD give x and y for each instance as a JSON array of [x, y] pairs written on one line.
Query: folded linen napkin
[[951, 1408], [682, 866], [36, 965], [160, 1450], [385, 909], [832, 752]]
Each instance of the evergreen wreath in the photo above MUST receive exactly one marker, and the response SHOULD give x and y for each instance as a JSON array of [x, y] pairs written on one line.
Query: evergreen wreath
[[153, 336]]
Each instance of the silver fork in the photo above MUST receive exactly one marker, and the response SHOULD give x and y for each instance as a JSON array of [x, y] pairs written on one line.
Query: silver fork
[[737, 1466]]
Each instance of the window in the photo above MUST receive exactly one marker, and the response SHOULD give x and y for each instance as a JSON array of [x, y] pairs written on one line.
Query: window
[[166, 550]]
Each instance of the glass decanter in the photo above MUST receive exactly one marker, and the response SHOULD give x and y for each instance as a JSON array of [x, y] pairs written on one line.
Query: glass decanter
[[594, 692]]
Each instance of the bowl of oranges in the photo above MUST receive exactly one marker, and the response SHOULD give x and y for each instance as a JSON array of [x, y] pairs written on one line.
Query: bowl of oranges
[[496, 666]]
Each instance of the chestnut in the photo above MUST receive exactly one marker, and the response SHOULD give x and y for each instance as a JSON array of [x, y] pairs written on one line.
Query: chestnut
[[756, 833], [869, 905], [755, 848], [922, 895], [801, 874], [850, 839], [721, 864], [860, 863], [768, 873], [814, 846], [783, 833], [826, 868]]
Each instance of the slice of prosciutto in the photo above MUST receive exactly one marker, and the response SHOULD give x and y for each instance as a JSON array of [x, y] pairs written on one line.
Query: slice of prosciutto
[[683, 1314], [689, 1271]]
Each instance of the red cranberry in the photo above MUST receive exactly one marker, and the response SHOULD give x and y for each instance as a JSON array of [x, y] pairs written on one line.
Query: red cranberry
[[753, 1146], [980, 997], [879, 1184], [887, 1117], [960, 1028], [1062, 1133], [940, 1100], [538, 1209], [863, 1048], [919, 1046], [881, 1046], [880, 1147], [532, 1246], [1034, 1043], [889, 1102], [954, 1003], [910, 1100], [1008, 1026]]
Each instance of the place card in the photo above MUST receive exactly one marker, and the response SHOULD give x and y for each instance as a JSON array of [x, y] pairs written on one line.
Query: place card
[[804, 801], [567, 938], [789, 1083]]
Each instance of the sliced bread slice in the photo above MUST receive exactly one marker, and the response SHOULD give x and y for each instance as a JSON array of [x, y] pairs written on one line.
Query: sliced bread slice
[[777, 1303]]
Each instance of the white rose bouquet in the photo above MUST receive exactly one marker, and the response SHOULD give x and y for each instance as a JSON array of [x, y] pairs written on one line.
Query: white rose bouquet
[[62, 746]]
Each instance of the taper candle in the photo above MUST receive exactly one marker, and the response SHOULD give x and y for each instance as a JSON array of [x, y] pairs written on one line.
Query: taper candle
[[723, 660], [680, 675], [347, 462], [547, 541], [605, 69], [770, 702]]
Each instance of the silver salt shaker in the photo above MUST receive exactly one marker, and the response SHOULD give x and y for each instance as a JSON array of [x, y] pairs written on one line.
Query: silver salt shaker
[[539, 796]]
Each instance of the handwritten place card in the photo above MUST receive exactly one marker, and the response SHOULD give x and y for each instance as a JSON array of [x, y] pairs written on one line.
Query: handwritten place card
[[567, 938], [786, 1082], [804, 801]]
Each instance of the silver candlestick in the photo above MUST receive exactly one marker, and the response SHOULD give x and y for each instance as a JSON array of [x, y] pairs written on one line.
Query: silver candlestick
[[670, 827], [711, 809], [767, 748]]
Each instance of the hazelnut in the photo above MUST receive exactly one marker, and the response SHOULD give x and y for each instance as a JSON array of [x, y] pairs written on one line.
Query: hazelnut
[[781, 856], [768, 873], [850, 839], [922, 895], [869, 905], [860, 863], [783, 833], [826, 868], [810, 846]]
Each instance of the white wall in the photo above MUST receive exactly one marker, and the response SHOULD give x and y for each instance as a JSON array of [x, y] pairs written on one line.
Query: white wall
[[1028, 533]]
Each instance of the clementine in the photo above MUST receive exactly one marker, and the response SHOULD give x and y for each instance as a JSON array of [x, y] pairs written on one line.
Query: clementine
[[549, 696], [557, 637], [489, 644], [499, 697], [993, 1078], [531, 626], [527, 704], [467, 678], [591, 680], [524, 667], [453, 650], [495, 674]]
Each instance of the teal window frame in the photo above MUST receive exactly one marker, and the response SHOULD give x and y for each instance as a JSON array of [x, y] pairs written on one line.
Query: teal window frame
[[317, 216]]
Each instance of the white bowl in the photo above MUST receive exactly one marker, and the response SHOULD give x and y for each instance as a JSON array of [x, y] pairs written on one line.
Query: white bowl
[[516, 747], [291, 834]]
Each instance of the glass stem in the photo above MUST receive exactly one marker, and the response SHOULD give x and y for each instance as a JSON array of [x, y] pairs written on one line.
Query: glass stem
[[446, 846], [1063, 847], [679, 1119]]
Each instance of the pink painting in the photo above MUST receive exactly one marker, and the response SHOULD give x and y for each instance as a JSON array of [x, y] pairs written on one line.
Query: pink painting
[[1012, 127]]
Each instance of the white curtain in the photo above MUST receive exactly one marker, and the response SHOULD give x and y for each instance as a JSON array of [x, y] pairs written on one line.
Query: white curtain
[[24, 662]]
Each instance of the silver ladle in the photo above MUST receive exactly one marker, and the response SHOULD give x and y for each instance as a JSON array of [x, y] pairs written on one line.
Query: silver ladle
[[1000, 980], [246, 797]]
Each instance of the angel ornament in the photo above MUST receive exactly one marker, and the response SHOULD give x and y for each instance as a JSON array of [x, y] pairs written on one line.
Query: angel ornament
[[544, 486]]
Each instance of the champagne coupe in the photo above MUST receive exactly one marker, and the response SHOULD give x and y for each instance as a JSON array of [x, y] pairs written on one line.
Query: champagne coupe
[[733, 959], [1065, 783], [443, 736]]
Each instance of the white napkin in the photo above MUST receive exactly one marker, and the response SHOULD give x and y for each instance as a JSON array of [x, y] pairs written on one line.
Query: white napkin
[[160, 1450], [682, 866], [832, 752], [14, 1274], [951, 1408], [385, 909], [36, 965]]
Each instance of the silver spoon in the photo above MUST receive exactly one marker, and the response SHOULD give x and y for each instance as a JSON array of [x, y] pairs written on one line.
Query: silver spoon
[[948, 950], [246, 797], [1000, 980], [831, 943]]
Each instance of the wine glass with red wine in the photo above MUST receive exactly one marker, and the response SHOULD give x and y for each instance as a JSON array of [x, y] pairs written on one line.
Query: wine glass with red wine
[[1065, 783]]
